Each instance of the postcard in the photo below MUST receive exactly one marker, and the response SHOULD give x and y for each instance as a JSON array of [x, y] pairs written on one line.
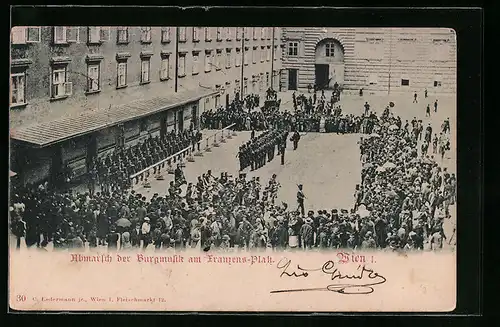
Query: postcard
[[242, 169]]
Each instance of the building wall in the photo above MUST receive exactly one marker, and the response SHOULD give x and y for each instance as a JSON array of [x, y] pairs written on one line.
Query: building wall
[[41, 108], [421, 55]]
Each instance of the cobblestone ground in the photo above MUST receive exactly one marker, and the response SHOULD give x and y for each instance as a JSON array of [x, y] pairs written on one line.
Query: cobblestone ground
[[328, 165]]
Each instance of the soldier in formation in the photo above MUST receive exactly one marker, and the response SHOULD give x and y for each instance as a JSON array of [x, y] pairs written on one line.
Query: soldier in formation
[[261, 149]]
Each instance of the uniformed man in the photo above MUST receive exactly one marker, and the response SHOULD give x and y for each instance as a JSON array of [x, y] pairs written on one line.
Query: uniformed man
[[295, 139], [300, 199], [367, 108], [282, 152]]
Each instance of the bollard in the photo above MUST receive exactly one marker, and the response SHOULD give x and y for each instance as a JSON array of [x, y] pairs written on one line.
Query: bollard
[[215, 144], [182, 164], [234, 133], [222, 139], [170, 169], [207, 148], [229, 136], [190, 157]]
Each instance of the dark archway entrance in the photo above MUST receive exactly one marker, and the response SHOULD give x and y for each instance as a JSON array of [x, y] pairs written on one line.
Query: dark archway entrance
[[329, 63]]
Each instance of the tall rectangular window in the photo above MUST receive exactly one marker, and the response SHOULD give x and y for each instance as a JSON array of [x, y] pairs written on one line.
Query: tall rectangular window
[[247, 33], [254, 55], [59, 34], [196, 34], [245, 86], [245, 56], [228, 58], [145, 68], [262, 53], [196, 61], [267, 80], [94, 33], [263, 33], [165, 34], [293, 48], [208, 62], [122, 74], [275, 52], [182, 34], [219, 33], [238, 33], [165, 68], [238, 58], [182, 65], [228, 33], [93, 78], [218, 60], [122, 35], [18, 89], [268, 53], [208, 34], [329, 48], [18, 35], [146, 34], [60, 86]]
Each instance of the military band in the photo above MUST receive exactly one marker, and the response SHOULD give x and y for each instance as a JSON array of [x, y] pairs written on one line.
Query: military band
[[261, 149]]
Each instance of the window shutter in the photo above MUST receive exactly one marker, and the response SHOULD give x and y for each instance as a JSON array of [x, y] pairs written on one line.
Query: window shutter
[[68, 88], [73, 34], [105, 33], [33, 34], [18, 35]]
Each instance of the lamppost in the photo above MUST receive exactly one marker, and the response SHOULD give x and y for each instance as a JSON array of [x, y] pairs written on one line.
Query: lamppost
[[272, 60], [390, 61], [242, 61], [176, 58]]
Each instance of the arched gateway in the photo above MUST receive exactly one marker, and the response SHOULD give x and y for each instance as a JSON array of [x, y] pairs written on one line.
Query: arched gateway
[[329, 63]]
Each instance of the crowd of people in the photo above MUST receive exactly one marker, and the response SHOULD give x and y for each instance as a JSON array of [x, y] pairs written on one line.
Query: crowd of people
[[401, 203], [239, 112], [113, 171], [261, 149]]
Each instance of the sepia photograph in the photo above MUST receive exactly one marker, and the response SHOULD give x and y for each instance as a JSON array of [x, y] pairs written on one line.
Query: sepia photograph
[[172, 147]]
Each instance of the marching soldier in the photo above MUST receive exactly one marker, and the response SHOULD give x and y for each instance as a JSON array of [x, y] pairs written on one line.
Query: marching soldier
[[295, 139]]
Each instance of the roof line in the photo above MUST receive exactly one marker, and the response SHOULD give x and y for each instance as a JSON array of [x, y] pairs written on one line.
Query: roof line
[[114, 123]]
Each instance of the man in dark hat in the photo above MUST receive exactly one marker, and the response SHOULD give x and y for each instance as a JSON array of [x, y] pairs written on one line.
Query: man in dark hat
[[295, 139]]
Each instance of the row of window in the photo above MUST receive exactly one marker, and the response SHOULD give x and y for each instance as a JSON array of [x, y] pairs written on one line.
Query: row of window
[[61, 87], [259, 83], [293, 49], [99, 34]]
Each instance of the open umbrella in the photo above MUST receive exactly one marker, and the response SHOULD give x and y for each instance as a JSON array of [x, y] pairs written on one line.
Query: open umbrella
[[123, 222], [393, 127], [367, 165], [380, 169], [374, 135]]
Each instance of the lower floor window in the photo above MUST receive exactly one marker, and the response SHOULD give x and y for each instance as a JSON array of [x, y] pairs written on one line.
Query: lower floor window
[[60, 86], [18, 89]]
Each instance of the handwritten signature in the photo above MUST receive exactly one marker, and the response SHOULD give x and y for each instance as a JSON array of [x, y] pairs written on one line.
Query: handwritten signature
[[362, 282]]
